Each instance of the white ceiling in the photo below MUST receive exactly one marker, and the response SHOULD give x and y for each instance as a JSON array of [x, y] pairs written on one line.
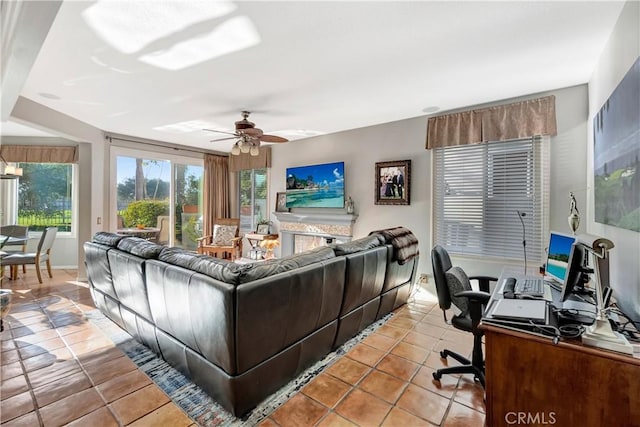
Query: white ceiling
[[304, 68]]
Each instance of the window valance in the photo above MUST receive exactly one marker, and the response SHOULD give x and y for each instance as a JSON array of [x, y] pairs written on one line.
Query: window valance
[[247, 161], [503, 122], [39, 154]]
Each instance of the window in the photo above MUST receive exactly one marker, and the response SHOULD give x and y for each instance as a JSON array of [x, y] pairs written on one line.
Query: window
[[45, 196], [253, 198], [162, 194], [479, 190]]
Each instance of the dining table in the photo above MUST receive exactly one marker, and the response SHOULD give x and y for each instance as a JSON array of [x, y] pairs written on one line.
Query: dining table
[[150, 233]]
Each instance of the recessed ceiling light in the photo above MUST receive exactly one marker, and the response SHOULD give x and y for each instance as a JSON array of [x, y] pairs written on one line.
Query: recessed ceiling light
[[48, 95], [431, 109]]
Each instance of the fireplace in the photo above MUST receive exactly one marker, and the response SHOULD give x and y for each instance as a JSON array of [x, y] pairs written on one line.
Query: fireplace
[[301, 232]]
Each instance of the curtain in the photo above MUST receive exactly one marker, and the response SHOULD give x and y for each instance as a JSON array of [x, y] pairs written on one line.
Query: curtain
[[246, 161], [503, 122], [216, 191], [39, 154]]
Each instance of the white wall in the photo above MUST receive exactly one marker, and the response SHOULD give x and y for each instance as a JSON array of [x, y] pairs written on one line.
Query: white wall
[[621, 51], [360, 149]]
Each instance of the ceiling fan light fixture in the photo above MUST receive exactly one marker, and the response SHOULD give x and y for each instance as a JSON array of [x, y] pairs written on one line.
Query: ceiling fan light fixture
[[245, 147], [235, 150], [254, 151]]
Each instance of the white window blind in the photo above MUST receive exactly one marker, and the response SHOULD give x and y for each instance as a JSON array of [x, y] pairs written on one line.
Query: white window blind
[[479, 189]]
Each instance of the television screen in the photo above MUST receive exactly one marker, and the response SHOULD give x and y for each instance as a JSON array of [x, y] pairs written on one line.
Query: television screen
[[316, 186], [558, 256]]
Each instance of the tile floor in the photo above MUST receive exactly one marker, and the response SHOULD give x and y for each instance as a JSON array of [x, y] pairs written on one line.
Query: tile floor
[[59, 369]]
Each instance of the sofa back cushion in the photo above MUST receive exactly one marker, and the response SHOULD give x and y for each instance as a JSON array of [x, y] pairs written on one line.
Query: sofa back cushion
[[358, 245], [107, 239], [260, 270], [140, 247], [216, 268]]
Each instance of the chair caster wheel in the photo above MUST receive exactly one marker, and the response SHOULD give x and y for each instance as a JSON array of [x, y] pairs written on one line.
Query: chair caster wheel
[[443, 354], [436, 376]]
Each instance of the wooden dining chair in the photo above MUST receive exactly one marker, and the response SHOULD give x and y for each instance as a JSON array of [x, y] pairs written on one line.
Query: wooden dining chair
[[19, 231], [42, 254]]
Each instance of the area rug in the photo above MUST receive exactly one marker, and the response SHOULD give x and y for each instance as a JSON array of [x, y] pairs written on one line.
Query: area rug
[[194, 401]]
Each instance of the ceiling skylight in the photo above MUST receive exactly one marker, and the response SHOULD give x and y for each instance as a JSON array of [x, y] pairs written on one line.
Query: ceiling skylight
[[129, 26], [233, 35]]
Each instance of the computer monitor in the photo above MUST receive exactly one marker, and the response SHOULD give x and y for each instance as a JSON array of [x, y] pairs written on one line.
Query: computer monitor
[[558, 256], [576, 266]]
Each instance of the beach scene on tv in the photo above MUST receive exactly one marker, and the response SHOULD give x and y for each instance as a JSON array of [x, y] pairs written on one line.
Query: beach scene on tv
[[316, 186], [559, 253]]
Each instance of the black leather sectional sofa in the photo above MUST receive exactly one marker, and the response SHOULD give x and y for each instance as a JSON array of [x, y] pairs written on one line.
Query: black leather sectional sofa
[[242, 331]]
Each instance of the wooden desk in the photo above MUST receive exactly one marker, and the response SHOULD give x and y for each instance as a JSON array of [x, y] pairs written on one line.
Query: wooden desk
[[574, 384]]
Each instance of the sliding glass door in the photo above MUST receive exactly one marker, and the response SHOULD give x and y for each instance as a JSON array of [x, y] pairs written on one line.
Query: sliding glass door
[[156, 197]]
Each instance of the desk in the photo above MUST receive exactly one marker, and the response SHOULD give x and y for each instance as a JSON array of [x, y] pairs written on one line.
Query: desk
[[145, 233], [576, 384], [564, 384]]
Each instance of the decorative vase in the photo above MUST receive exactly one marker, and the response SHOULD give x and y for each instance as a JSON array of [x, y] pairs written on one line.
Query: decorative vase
[[350, 205]]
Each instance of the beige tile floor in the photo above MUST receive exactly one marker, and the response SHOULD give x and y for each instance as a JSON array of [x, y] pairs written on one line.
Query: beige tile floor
[[59, 369]]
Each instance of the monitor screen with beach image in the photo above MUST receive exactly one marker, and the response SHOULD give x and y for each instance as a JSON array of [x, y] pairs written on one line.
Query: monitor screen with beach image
[[316, 186], [558, 256]]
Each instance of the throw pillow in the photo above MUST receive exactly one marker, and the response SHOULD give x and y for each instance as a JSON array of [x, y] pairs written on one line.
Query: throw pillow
[[458, 281], [223, 235]]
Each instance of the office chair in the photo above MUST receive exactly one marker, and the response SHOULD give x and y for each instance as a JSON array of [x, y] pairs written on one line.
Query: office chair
[[453, 286]]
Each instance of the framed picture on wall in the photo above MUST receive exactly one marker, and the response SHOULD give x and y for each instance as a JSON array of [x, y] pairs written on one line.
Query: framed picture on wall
[[281, 202], [392, 185]]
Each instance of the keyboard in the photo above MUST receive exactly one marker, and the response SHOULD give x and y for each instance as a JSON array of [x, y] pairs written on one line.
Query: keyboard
[[530, 286]]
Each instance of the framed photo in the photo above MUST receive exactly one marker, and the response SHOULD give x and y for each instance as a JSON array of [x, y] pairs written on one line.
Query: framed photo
[[262, 229], [392, 185], [281, 202]]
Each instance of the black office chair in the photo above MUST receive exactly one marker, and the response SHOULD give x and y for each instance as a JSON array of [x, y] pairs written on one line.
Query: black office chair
[[453, 285]]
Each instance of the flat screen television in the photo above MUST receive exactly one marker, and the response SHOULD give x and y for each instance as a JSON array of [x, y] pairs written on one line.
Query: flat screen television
[[558, 256], [316, 186]]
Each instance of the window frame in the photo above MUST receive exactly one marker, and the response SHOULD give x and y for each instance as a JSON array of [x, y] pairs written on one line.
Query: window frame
[[537, 186], [116, 150], [75, 204]]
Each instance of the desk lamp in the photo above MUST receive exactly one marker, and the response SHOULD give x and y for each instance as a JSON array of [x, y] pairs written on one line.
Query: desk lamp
[[600, 333]]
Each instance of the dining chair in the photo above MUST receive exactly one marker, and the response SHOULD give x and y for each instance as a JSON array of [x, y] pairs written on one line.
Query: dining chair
[[42, 254], [19, 231]]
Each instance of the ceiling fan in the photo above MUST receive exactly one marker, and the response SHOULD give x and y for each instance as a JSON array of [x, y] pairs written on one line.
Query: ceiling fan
[[248, 136]]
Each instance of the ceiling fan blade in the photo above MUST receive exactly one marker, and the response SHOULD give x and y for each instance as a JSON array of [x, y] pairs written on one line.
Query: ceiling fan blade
[[222, 131], [224, 139], [255, 132], [273, 138]]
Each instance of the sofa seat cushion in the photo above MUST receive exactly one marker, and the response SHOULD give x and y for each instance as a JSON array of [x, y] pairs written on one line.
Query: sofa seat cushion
[[107, 239], [358, 245], [140, 247], [216, 268], [256, 271]]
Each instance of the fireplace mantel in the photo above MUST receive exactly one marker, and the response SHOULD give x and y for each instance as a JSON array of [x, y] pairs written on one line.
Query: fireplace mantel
[[330, 219], [337, 226]]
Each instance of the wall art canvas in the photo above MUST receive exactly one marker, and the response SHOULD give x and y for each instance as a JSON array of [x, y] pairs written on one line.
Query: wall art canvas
[[617, 155]]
